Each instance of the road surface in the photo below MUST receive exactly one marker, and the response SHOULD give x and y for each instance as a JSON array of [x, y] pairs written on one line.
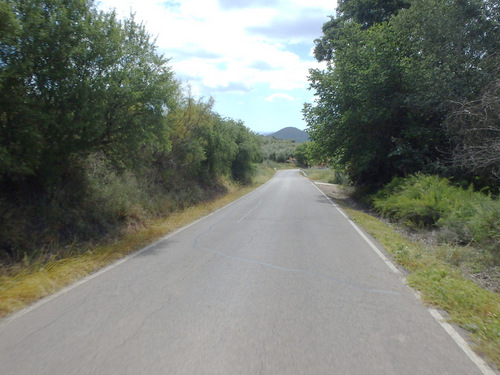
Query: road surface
[[278, 282]]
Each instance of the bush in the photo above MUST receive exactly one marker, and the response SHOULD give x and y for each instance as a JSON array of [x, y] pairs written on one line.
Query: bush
[[422, 201], [418, 201]]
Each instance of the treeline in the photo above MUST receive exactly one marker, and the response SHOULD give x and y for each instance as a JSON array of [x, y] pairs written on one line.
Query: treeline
[[287, 150], [278, 150], [95, 131], [410, 86]]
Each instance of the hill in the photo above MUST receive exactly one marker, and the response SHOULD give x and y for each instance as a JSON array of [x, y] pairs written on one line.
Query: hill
[[294, 134]]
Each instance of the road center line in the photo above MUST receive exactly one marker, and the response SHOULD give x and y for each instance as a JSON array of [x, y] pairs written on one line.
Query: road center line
[[249, 212]]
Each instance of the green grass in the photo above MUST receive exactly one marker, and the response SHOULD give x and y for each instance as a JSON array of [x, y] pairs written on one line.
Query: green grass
[[463, 215], [442, 285], [26, 282], [325, 175]]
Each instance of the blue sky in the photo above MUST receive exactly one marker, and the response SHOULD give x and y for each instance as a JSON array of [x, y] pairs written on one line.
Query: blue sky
[[251, 56]]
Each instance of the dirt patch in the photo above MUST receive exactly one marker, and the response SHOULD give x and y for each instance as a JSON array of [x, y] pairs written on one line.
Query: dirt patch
[[340, 193], [488, 279]]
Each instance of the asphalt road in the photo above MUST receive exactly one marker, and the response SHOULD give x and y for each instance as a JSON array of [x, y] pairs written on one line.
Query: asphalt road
[[278, 282]]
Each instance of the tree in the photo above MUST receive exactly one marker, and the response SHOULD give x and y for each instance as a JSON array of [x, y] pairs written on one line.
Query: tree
[[370, 12], [447, 51], [302, 152], [249, 153], [205, 146], [359, 108], [95, 130], [365, 13], [380, 104], [475, 126], [9, 26], [222, 148], [77, 81], [190, 125], [445, 46]]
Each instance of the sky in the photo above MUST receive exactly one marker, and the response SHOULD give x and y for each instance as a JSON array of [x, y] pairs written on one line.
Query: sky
[[252, 56]]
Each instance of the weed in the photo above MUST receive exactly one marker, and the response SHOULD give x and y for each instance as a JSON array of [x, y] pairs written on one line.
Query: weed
[[462, 215]]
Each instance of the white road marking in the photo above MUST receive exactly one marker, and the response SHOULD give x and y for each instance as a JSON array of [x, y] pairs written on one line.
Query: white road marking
[[375, 248], [478, 361], [249, 212], [459, 340]]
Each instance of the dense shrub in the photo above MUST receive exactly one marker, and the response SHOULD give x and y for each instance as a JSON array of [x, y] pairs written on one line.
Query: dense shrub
[[416, 201], [464, 215]]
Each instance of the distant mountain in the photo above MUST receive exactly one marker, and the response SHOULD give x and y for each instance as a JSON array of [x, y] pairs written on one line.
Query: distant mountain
[[295, 134]]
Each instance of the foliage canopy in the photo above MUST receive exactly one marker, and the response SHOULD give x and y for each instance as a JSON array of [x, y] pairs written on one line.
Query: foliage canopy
[[95, 129], [392, 72]]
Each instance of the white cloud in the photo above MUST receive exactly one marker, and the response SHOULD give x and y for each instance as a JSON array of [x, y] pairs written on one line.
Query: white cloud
[[232, 45], [279, 96]]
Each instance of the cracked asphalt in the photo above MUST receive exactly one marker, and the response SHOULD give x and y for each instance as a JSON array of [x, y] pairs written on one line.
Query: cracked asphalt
[[278, 282]]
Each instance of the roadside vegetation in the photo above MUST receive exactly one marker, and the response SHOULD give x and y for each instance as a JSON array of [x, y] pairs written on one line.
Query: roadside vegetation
[[458, 216], [25, 282], [101, 149], [409, 86], [97, 137]]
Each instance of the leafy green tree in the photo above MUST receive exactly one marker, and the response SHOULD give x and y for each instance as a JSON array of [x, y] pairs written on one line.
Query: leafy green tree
[[189, 127], [381, 102], [448, 54], [205, 146], [445, 48], [95, 131], [249, 153], [222, 148], [370, 12], [77, 81], [359, 108], [301, 153], [365, 13], [9, 26]]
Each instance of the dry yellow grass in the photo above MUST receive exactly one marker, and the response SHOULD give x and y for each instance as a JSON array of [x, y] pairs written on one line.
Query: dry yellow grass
[[25, 286]]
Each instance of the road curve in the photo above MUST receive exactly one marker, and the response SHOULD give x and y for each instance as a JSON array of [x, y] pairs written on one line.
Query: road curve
[[278, 282]]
